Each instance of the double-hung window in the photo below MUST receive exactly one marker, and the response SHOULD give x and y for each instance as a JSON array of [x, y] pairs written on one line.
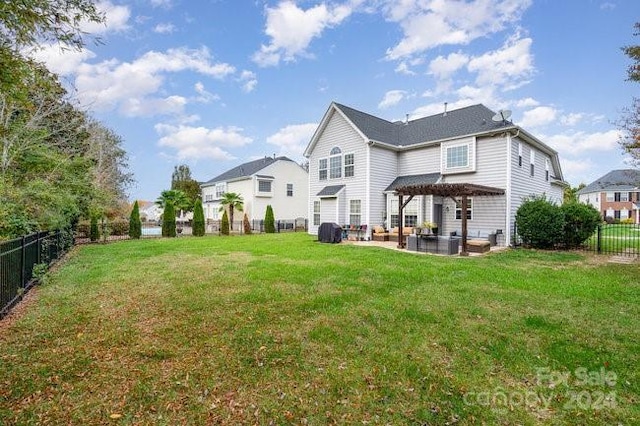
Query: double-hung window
[[355, 212], [457, 156], [532, 161], [289, 190], [349, 165], [469, 209], [322, 169], [264, 186], [316, 213]]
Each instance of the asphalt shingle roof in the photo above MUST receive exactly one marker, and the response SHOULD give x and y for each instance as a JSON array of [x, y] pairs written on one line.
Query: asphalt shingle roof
[[246, 169], [329, 191], [426, 179], [455, 123], [615, 180]]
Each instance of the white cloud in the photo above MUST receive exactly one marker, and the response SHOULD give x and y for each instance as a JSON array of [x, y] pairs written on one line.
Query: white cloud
[[527, 103], [580, 142], [59, 61], [571, 119], [116, 19], [292, 29], [509, 67], [538, 116], [201, 142], [293, 139], [112, 84], [403, 68], [575, 170], [443, 68], [167, 4], [438, 108], [204, 96], [391, 98], [428, 24], [249, 81], [148, 107], [164, 28]]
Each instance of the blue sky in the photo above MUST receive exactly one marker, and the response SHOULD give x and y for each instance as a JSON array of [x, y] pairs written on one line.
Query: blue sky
[[216, 83]]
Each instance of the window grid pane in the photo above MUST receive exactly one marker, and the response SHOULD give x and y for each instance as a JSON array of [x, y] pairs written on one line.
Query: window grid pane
[[322, 169], [335, 167], [264, 186], [469, 209], [316, 213], [289, 190], [458, 156], [349, 165]]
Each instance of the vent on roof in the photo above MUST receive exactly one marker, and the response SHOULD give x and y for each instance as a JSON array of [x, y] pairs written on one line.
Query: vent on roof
[[445, 109]]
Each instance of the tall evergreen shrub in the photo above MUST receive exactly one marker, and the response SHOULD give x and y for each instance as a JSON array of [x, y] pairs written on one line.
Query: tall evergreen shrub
[[198, 219], [94, 234], [246, 224], [224, 227], [169, 220], [135, 224], [269, 221]]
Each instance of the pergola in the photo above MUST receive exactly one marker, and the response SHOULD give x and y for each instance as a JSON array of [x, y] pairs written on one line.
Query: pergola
[[451, 190]]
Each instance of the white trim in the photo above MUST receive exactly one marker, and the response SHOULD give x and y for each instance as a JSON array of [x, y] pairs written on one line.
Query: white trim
[[367, 188], [507, 233], [470, 143]]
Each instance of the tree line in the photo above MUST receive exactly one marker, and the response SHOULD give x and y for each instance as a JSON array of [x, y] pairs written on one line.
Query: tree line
[[57, 163]]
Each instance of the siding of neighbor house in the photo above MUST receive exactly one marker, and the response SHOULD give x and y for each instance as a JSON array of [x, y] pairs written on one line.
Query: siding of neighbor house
[[255, 204], [338, 133], [284, 207]]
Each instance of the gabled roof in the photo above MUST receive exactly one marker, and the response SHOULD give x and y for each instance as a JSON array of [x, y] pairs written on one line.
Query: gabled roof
[[245, 170], [456, 123], [411, 180], [615, 180]]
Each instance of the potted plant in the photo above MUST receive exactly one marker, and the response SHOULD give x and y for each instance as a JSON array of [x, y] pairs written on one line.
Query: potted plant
[[431, 227]]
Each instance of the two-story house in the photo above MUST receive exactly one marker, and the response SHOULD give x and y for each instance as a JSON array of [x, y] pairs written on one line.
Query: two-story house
[[357, 160], [276, 181], [615, 195]]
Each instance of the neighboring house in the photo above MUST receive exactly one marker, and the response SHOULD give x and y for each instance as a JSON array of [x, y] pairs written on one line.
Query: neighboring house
[[356, 160], [149, 211], [615, 195], [278, 181]]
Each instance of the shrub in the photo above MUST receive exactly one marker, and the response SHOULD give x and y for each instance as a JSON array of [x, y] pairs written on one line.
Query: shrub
[[169, 220], [580, 221], [94, 234], [246, 225], [198, 219], [224, 227], [119, 227], [135, 224], [609, 220], [540, 223], [269, 221], [627, 221]]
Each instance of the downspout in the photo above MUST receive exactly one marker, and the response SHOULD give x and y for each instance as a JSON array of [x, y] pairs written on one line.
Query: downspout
[[367, 194], [507, 234]]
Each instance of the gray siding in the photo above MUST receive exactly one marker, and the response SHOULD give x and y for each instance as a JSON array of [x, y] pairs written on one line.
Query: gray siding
[[488, 215], [340, 133], [383, 170], [491, 167], [523, 185], [419, 161]]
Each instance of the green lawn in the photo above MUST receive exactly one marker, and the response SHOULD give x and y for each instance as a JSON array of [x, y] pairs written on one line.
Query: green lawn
[[280, 329], [617, 238]]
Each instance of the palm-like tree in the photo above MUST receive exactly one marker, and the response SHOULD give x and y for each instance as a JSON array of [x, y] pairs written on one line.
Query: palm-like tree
[[178, 198], [231, 201]]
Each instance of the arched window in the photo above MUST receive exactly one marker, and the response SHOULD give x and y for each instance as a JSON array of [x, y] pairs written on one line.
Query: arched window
[[335, 163]]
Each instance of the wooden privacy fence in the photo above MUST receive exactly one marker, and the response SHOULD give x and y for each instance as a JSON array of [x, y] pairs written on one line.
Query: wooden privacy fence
[[18, 260]]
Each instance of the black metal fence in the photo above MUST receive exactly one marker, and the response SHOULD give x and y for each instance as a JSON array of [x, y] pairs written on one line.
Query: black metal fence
[[22, 258], [615, 239], [612, 239]]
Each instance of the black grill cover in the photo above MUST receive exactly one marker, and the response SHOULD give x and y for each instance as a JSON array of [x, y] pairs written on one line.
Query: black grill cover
[[329, 233]]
